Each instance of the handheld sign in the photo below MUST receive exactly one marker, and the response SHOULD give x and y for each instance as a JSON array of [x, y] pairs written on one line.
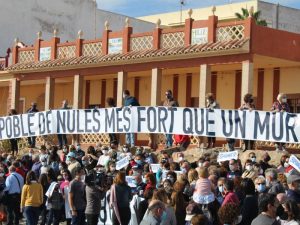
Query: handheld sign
[[130, 181], [103, 160], [154, 167], [122, 163], [225, 156], [294, 162]]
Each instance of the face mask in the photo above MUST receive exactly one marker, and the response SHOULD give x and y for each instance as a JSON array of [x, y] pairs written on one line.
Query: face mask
[[44, 164], [284, 100], [144, 180], [231, 167], [164, 216], [180, 158], [183, 170], [124, 96], [138, 161], [30, 155], [261, 188], [78, 147], [253, 159], [104, 152], [65, 150], [1, 174], [60, 167], [249, 167], [171, 179], [267, 183], [84, 163], [286, 164], [82, 178], [221, 189]]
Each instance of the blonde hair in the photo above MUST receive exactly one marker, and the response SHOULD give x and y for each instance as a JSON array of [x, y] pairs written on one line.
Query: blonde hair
[[192, 175], [202, 172]]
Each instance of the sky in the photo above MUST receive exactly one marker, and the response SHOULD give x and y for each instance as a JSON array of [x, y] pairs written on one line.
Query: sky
[[135, 8]]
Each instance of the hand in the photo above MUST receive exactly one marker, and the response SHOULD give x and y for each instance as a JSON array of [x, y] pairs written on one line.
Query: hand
[[73, 212]]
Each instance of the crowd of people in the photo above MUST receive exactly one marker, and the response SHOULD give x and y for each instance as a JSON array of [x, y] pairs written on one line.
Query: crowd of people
[[73, 185]]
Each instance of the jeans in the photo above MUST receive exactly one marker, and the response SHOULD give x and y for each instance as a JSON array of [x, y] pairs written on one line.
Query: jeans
[[62, 140], [169, 140], [13, 209], [43, 214], [130, 139], [32, 215], [31, 141], [54, 216], [92, 219], [79, 219]]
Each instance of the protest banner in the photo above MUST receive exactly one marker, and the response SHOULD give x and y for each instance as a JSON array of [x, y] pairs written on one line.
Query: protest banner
[[295, 162], [122, 163], [225, 156], [236, 124], [154, 167], [103, 160]]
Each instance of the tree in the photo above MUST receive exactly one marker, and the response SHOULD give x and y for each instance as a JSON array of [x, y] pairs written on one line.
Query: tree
[[256, 15]]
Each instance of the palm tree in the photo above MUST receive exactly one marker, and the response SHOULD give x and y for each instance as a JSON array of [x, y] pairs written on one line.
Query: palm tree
[[256, 15]]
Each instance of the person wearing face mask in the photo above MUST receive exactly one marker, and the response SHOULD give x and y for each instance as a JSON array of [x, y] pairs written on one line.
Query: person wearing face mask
[[111, 172], [294, 188], [155, 214], [169, 102], [77, 198], [31, 140], [267, 205], [233, 169], [79, 153], [140, 185], [252, 157], [228, 194], [281, 105], [73, 164], [272, 183], [44, 168], [185, 167], [128, 102], [260, 185], [284, 163], [249, 170]]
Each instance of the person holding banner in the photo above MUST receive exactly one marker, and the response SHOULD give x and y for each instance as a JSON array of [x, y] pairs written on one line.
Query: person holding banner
[[247, 105], [169, 102], [62, 138], [13, 141], [130, 101], [31, 140], [280, 105], [211, 104]]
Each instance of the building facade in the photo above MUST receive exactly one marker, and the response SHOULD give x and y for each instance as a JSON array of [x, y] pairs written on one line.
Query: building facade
[[229, 59]]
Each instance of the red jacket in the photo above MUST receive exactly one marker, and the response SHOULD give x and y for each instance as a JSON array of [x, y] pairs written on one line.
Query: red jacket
[[231, 197], [179, 139]]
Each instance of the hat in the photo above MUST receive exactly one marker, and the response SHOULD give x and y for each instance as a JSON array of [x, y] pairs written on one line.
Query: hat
[[71, 155], [191, 210], [293, 178]]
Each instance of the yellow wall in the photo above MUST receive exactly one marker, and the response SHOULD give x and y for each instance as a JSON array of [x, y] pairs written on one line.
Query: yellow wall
[[224, 12], [145, 91], [226, 89], [289, 80], [268, 89], [33, 93], [195, 85], [182, 90], [95, 92], [3, 100], [109, 88], [167, 84], [63, 91]]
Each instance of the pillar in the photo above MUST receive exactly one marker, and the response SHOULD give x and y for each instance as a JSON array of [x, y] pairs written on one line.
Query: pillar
[[205, 84], [77, 101], [49, 93], [15, 94], [156, 77], [247, 78], [122, 84]]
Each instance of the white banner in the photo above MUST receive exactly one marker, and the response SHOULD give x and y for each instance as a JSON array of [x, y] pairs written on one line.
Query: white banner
[[122, 163], [225, 156], [237, 124], [154, 167]]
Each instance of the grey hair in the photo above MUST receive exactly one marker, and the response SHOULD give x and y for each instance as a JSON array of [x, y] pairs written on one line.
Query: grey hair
[[155, 204], [272, 172]]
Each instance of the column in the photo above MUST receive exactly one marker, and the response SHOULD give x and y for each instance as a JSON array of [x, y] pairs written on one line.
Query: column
[[156, 76], [15, 94], [49, 93], [122, 84], [156, 87], [205, 84], [247, 79], [77, 101]]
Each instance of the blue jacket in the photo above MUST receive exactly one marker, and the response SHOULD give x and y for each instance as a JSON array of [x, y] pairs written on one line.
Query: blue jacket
[[131, 101]]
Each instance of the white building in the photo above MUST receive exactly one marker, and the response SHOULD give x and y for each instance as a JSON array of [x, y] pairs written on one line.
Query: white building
[[23, 19]]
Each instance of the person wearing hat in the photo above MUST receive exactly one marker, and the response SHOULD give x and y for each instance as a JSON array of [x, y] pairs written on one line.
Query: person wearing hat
[[31, 140], [169, 102], [294, 188], [73, 164]]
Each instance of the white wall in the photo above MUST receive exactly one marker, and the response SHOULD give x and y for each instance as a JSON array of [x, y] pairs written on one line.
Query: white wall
[[24, 18]]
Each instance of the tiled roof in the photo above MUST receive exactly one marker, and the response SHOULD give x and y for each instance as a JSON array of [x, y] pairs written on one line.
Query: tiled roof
[[132, 56]]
